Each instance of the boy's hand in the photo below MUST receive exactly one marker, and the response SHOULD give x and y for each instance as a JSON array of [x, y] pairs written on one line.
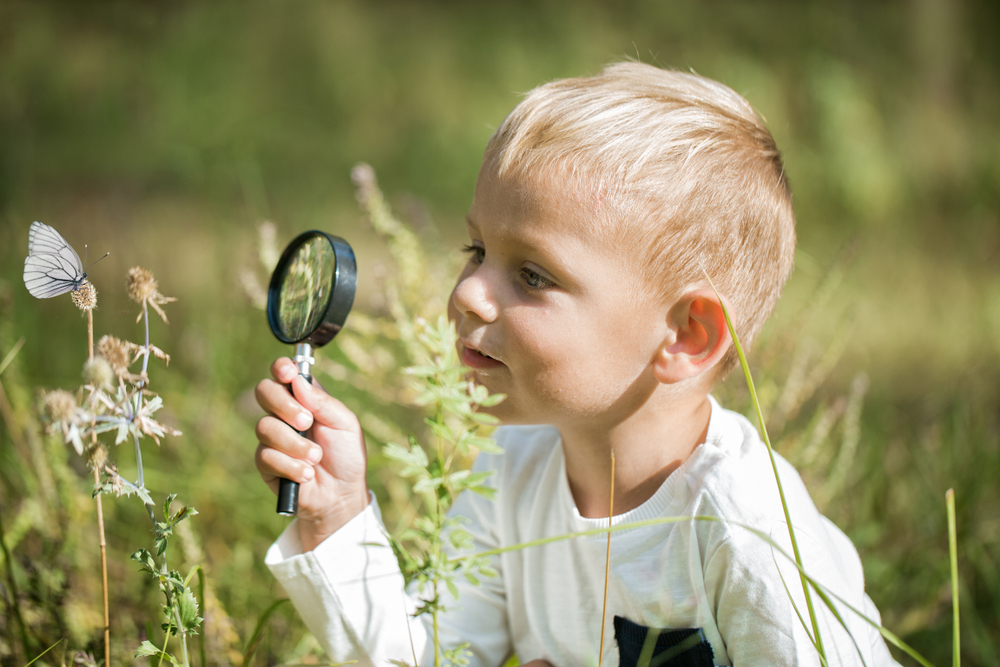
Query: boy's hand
[[330, 465]]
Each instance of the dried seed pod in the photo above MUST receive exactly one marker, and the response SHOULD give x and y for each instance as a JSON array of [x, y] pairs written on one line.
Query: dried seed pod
[[142, 288], [59, 405], [97, 456], [98, 372], [141, 284], [85, 297], [116, 353]]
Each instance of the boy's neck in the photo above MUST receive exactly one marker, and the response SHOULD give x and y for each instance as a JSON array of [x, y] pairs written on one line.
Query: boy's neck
[[648, 445]]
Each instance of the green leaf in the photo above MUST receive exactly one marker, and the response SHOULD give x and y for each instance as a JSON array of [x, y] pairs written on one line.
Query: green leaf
[[166, 504], [461, 538], [492, 400], [187, 610], [487, 492], [122, 435], [427, 485], [145, 560], [483, 418], [147, 648]]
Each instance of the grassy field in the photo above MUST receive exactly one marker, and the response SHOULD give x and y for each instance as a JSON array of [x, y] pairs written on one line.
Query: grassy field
[[166, 132]]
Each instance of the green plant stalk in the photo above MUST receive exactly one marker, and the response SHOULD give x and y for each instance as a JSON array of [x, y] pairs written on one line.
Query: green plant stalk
[[956, 657], [439, 513], [44, 652], [201, 599], [774, 466]]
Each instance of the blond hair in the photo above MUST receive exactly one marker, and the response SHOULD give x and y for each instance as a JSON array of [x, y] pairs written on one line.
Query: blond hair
[[691, 175]]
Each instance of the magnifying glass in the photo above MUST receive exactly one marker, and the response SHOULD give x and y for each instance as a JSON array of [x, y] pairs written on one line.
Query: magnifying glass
[[311, 293]]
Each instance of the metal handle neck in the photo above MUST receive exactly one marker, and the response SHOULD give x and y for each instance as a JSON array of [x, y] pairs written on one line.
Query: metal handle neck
[[303, 358]]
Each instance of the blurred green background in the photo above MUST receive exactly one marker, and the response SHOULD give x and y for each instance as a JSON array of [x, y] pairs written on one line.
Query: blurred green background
[[165, 131]]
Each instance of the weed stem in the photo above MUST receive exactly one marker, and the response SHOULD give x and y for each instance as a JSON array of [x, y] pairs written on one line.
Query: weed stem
[[104, 566], [607, 564]]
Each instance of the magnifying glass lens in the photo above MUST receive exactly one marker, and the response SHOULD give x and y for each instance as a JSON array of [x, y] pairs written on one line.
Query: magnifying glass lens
[[305, 288]]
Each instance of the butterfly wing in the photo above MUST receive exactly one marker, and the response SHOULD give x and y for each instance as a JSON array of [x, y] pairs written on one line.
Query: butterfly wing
[[52, 266]]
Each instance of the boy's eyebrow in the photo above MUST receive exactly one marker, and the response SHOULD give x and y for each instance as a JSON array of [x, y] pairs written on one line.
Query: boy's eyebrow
[[470, 222]]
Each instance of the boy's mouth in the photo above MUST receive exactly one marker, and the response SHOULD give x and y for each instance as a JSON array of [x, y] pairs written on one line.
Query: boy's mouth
[[477, 360]]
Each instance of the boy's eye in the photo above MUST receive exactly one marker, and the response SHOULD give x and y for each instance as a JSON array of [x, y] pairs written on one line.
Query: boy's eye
[[535, 280], [478, 253]]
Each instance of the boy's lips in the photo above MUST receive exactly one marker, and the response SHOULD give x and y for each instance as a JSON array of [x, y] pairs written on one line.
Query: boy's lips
[[477, 360]]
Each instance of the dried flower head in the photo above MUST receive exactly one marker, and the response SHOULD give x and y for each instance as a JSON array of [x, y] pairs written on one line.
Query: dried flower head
[[116, 353], [85, 297], [97, 456], [98, 373], [60, 405], [141, 284], [142, 288]]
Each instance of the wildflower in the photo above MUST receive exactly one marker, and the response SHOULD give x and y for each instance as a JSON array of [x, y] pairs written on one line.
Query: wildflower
[[145, 422], [85, 296], [61, 408], [142, 288], [98, 373], [116, 353]]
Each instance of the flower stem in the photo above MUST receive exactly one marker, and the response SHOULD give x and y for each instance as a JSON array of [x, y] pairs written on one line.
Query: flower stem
[[90, 335], [100, 513], [145, 357], [104, 568]]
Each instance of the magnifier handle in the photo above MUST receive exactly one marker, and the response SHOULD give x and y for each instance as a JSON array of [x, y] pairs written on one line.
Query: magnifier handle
[[288, 491]]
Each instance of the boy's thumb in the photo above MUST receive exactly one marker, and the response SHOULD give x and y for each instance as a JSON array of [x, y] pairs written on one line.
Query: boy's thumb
[[326, 409]]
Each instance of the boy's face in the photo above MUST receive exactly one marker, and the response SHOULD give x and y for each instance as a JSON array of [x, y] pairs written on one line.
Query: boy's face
[[547, 313]]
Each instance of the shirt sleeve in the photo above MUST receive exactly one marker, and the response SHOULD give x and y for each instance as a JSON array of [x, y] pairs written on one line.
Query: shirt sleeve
[[349, 592]]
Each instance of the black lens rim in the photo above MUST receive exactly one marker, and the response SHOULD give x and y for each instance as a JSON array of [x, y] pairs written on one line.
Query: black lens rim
[[340, 301]]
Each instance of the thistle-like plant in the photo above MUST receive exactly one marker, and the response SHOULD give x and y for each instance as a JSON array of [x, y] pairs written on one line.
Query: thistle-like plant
[[113, 399]]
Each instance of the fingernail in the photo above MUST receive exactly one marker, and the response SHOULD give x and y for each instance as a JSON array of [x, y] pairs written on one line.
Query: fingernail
[[315, 454], [303, 420], [308, 473]]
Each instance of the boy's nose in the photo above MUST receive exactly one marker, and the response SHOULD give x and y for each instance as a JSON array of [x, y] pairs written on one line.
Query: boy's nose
[[471, 297]]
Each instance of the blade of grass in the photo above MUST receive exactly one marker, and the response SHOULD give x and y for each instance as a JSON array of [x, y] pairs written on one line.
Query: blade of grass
[[607, 564], [10, 357], [949, 498], [774, 466], [258, 632], [45, 651]]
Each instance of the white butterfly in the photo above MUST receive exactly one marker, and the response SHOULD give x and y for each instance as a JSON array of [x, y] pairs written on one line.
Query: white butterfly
[[52, 267]]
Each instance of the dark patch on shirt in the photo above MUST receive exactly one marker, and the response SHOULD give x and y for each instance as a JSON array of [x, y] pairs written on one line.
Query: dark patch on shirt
[[639, 646]]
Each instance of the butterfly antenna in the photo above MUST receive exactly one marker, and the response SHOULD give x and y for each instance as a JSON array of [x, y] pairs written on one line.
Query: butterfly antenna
[[95, 261]]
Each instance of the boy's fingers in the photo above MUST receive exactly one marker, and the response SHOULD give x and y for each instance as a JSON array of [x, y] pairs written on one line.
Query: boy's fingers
[[283, 370], [272, 464], [275, 399], [276, 434], [325, 409]]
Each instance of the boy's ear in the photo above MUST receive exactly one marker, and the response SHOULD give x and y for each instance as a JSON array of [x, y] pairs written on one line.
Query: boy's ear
[[699, 338]]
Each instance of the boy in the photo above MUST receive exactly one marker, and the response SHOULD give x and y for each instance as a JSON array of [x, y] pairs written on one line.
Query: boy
[[600, 205]]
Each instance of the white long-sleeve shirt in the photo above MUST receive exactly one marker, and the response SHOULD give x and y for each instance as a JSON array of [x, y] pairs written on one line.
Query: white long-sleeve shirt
[[712, 576]]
